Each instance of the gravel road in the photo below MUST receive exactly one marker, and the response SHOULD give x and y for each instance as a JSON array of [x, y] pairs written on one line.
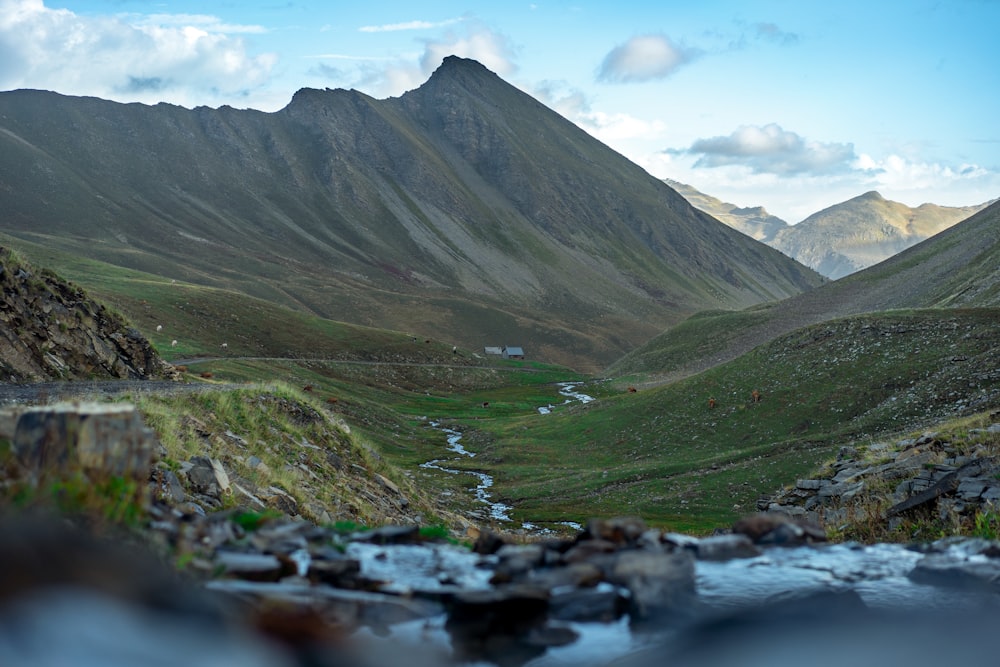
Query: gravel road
[[41, 393]]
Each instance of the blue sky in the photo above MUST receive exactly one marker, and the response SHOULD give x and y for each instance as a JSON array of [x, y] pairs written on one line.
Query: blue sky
[[791, 105]]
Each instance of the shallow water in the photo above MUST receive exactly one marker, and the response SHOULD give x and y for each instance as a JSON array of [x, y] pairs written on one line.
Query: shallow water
[[876, 573]]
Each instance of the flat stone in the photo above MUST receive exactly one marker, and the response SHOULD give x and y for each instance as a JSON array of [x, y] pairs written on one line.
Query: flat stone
[[346, 608], [971, 489], [250, 566], [850, 473], [725, 547], [991, 495]]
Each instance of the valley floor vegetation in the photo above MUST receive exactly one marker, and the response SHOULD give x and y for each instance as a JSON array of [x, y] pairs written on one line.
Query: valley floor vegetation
[[300, 401]]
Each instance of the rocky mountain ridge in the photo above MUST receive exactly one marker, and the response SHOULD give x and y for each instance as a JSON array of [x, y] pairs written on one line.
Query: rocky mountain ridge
[[463, 210]]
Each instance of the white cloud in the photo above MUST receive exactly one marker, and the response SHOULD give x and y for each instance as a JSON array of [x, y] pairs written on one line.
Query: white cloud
[[203, 21], [406, 73], [771, 149], [795, 196], [643, 58], [612, 128], [914, 182], [566, 100], [772, 33], [408, 25], [479, 43], [184, 59]]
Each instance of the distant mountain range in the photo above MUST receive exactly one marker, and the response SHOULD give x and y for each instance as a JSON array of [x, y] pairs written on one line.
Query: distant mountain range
[[463, 210], [956, 268], [843, 238]]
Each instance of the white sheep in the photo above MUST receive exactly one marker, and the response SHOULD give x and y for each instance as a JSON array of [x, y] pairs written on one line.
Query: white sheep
[[225, 346], [173, 343], [159, 327]]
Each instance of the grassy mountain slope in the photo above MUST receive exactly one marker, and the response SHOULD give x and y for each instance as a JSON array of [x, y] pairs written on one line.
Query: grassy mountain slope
[[960, 267], [199, 319], [665, 455], [462, 210]]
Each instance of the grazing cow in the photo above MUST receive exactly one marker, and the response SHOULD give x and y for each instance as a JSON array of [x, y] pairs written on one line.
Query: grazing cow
[[332, 400], [486, 404], [711, 403], [206, 374], [755, 396], [632, 390], [308, 387]]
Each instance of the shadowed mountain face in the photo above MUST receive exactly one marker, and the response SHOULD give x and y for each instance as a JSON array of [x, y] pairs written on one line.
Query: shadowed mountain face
[[464, 210]]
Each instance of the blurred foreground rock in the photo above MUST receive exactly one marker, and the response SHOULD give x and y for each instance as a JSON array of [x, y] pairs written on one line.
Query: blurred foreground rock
[[97, 440], [267, 589]]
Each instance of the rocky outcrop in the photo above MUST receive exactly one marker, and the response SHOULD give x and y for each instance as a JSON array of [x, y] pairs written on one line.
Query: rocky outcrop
[[934, 477], [51, 330]]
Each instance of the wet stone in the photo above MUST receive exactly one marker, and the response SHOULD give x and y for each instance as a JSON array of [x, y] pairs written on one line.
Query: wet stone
[[618, 531], [342, 573], [587, 549], [249, 566], [498, 625], [980, 575], [659, 584], [604, 603], [344, 608], [725, 547], [389, 535]]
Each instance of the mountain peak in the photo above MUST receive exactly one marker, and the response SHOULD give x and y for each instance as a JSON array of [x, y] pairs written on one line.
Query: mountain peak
[[458, 61], [872, 195], [456, 68]]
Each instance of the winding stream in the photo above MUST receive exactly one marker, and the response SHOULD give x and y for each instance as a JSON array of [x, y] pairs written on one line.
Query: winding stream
[[499, 511]]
